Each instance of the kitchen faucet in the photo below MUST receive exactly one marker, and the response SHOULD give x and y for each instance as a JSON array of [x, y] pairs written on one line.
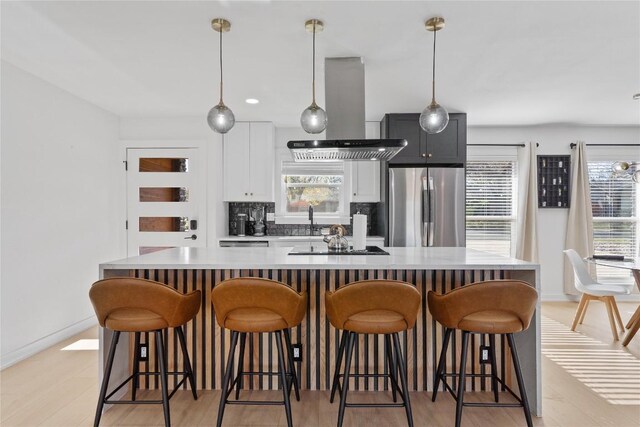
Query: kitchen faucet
[[311, 220]]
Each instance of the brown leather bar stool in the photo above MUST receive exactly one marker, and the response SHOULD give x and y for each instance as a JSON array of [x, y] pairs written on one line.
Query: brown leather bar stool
[[492, 307], [137, 305], [255, 305], [373, 307]]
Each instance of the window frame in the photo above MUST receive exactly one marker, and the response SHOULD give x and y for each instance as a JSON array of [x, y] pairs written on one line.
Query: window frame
[[283, 217], [603, 154], [499, 154]]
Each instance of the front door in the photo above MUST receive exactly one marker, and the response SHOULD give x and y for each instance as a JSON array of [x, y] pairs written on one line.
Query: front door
[[165, 199]]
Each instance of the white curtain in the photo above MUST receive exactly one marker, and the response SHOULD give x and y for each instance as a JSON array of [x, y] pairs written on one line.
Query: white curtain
[[580, 223], [527, 225]]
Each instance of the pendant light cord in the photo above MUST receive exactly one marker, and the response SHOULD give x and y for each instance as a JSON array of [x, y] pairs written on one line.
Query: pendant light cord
[[221, 31], [313, 67], [433, 69]]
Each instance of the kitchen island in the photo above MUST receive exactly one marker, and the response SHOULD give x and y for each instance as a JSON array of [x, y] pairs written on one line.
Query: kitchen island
[[438, 269]]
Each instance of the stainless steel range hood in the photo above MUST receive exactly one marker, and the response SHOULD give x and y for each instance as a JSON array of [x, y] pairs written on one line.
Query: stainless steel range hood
[[344, 97]]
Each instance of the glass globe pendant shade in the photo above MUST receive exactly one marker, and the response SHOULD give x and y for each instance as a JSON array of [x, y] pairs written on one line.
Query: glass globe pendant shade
[[313, 119], [434, 118], [221, 118], [620, 168]]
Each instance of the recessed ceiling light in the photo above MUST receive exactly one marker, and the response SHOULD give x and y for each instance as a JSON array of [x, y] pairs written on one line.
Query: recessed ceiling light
[[251, 101]]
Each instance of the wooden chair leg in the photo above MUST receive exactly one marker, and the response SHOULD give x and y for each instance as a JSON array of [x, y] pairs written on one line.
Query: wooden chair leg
[[633, 318], [632, 331], [616, 312], [584, 311], [581, 306], [612, 321]]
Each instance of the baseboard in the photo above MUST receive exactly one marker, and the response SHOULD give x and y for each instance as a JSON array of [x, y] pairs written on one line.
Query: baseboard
[[43, 343], [565, 297]]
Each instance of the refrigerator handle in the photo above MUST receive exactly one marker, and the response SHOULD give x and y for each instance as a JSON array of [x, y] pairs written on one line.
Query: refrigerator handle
[[424, 209], [431, 212], [392, 216]]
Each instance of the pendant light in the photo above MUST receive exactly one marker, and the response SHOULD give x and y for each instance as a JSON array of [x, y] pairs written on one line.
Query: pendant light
[[434, 118], [220, 117], [313, 118], [623, 168]]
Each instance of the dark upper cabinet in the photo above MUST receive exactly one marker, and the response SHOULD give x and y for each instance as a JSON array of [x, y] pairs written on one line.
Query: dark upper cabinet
[[404, 126], [447, 148]]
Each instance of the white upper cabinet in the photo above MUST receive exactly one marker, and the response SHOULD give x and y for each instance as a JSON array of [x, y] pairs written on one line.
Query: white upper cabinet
[[365, 176], [248, 162]]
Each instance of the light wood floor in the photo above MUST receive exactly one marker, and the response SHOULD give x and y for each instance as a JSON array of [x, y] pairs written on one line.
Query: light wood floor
[[59, 388]]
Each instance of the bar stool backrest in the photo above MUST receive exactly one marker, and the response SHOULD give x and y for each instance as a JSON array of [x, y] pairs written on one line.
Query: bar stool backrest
[[511, 296], [364, 295], [127, 292], [256, 292]]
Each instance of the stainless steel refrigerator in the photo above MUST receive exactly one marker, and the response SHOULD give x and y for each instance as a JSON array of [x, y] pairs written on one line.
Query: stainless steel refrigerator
[[425, 207]]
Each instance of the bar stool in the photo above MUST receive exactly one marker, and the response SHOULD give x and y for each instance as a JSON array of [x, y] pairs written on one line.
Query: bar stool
[[255, 305], [138, 305], [373, 307], [492, 307]]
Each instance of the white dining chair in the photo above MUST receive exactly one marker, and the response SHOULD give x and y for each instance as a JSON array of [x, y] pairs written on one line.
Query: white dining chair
[[592, 290]]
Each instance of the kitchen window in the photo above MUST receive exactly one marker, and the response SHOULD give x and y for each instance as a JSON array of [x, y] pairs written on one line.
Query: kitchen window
[[492, 187], [614, 203], [322, 185]]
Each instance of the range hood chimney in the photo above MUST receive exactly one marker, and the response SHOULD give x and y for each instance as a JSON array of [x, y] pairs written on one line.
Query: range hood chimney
[[344, 97]]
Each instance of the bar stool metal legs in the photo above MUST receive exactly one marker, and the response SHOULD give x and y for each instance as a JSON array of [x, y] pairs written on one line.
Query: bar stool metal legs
[[523, 392], [163, 378], [285, 373], [105, 379], [395, 362], [135, 376], [461, 376]]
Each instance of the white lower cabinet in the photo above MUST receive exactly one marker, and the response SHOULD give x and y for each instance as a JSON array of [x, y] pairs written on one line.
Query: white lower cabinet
[[248, 162]]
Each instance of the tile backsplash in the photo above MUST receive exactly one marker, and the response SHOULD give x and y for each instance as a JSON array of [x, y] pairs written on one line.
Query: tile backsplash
[[274, 229]]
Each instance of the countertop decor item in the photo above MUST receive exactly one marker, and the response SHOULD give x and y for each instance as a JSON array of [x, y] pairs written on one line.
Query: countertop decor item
[[359, 232], [435, 117], [313, 118], [220, 117]]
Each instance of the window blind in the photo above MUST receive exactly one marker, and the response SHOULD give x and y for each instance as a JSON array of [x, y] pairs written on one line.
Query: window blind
[[490, 207], [614, 202]]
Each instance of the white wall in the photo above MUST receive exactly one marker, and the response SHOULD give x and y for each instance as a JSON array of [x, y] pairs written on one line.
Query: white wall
[[192, 131], [59, 207], [552, 223]]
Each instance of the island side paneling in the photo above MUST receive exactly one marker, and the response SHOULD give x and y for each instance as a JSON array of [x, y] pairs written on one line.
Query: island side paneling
[[209, 345]]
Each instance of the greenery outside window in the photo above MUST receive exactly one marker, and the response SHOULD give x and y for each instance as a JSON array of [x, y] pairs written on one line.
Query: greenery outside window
[[322, 185]]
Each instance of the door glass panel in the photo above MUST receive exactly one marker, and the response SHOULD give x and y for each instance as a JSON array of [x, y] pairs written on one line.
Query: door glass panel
[[150, 249], [164, 223], [163, 164], [164, 194]]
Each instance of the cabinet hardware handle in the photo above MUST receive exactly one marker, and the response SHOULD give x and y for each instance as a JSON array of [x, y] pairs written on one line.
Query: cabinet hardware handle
[[252, 194], [423, 155], [354, 194], [430, 155], [246, 194], [192, 237]]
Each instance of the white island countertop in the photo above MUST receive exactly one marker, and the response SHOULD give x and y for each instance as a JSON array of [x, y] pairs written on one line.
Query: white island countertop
[[278, 258]]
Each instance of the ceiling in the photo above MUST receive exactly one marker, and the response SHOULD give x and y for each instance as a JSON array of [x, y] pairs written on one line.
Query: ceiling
[[502, 62]]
